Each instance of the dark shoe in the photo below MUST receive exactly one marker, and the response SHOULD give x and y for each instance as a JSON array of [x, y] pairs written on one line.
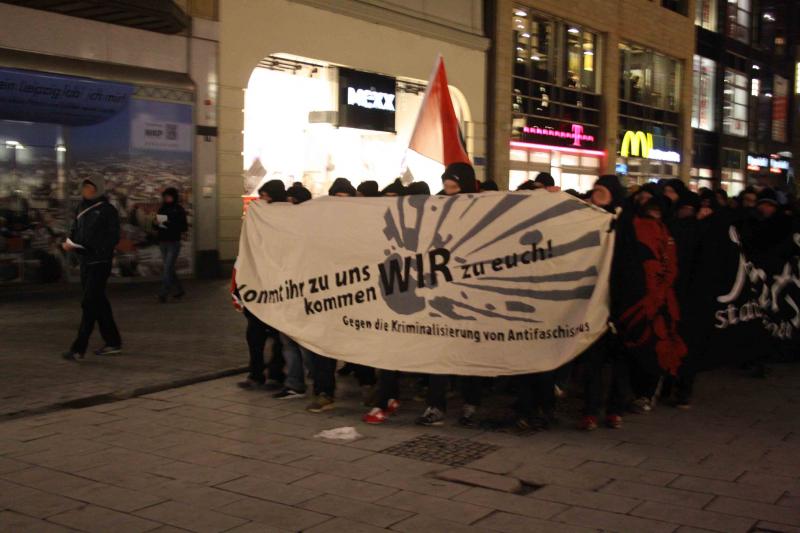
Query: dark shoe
[[108, 350], [288, 394], [179, 295], [250, 384], [523, 423], [321, 403], [162, 299], [543, 422], [683, 404], [72, 356], [641, 406], [468, 415], [273, 385], [431, 417]]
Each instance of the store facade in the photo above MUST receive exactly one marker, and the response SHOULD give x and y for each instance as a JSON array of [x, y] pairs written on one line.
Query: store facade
[[555, 124], [311, 121], [589, 88], [93, 99], [649, 115], [57, 130], [744, 65], [312, 110]]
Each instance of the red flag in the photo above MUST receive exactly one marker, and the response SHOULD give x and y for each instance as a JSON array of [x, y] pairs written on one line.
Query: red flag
[[436, 133]]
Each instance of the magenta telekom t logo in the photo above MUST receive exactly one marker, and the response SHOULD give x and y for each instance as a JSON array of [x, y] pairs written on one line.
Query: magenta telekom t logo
[[577, 134]]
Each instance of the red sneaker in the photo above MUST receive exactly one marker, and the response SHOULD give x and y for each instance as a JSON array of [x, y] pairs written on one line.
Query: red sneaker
[[588, 423], [392, 407], [375, 416], [614, 421]]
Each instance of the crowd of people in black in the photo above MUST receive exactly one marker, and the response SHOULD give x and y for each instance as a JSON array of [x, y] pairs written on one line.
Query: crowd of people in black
[[644, 356], [663, 270]]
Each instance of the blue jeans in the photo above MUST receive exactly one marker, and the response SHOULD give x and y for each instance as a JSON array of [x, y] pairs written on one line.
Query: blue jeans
[[293, 354], [169, 279]]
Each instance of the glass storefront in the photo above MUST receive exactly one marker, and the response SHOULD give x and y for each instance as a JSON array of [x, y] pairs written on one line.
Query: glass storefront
[[649, 120], [704, 90], [701, 178], [706, 14], [648, 78], [733, 171], [555, 101], [66, 129], [735, 103], [294, 129], [738, 19]]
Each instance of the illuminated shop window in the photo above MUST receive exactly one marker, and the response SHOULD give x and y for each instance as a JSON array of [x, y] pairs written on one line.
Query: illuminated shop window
[[555, 98], [706, 14], [704, 92], [649, 78], [738, 19], [701, 178], [733, 174], [735, 103]]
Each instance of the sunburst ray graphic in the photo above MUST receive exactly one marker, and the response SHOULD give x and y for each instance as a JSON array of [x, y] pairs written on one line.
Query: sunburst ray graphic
[[491, 227]]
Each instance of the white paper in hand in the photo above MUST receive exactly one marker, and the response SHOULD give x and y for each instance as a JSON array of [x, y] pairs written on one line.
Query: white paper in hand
[[161, 219], [74, 244]]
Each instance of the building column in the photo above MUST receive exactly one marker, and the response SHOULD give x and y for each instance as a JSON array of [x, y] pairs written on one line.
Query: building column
[[687, 135], [609, 120], [499, 94], [230, 170]]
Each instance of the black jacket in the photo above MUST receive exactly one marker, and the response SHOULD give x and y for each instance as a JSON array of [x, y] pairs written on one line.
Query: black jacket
[[175, 225], [96, 228]]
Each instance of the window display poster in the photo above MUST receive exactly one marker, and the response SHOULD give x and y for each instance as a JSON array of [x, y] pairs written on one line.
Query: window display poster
[[780, 107], [42, 167]]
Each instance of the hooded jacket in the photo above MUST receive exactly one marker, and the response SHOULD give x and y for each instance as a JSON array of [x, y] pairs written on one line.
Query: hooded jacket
[[644, 304], [299, 193], [368, 189], [95, 228], [342, 185], [464, 174], [612, 184], [395, 188], [176, 224]]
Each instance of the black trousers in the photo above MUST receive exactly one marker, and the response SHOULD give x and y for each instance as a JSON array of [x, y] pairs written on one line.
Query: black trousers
[[437, 390], [324, 372], [96, 307], [365, 375], [388, 387], [606, 349], [536, 394], [257, 335]]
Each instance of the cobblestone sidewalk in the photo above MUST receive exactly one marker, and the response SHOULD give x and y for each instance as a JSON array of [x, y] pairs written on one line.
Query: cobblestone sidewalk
[[163, 344], [209, 457]]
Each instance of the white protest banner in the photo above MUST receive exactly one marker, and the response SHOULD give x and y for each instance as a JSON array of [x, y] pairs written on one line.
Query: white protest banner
[[475, 284]]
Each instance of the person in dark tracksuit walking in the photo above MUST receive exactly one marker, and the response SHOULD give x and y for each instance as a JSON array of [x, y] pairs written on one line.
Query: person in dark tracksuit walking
[[172, 225], [93, 236]]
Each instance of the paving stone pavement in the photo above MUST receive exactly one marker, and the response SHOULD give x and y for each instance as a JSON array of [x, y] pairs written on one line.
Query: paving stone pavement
[[199, 336], [209, 457]]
